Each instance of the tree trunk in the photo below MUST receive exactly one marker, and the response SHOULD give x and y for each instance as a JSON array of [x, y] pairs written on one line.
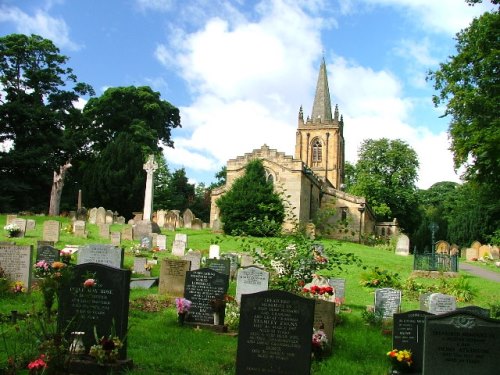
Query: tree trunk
[[57, 186]]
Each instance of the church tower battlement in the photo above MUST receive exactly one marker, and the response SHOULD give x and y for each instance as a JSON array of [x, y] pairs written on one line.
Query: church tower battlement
[[320, 139]]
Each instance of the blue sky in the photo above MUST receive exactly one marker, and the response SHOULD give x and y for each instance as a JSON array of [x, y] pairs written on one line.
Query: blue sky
[[239, 70]]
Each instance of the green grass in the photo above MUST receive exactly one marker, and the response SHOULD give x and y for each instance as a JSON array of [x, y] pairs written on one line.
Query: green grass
[[158, 345]]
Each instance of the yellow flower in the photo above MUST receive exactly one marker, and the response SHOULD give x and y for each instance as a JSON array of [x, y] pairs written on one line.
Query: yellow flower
[[58, 265]]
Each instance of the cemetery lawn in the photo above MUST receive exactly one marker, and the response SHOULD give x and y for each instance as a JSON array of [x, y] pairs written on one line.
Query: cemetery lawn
[[158, 345]]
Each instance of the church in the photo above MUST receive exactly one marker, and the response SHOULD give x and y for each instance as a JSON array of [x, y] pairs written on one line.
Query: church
[[313, 178]]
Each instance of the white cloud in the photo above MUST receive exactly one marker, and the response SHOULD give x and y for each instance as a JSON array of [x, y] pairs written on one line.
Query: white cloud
[[41, 23], [157, 5]]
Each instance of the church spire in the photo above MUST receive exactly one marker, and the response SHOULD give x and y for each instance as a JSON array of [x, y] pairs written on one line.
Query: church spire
[[322, 107]]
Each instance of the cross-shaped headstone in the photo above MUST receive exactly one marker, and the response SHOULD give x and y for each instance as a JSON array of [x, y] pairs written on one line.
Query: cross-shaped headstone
[[150, 166]]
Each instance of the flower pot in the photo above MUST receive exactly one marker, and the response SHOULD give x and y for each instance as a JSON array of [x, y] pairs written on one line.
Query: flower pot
[[216, 319], [181, 317]]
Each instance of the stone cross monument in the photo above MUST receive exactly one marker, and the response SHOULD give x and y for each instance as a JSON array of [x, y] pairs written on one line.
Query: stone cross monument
[[150, 167]]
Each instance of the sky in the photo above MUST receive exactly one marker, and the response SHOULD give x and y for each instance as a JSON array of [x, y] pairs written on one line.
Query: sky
[[239, 70]]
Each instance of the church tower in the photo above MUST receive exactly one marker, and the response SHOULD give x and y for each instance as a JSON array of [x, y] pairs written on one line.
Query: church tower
[[320, 139]]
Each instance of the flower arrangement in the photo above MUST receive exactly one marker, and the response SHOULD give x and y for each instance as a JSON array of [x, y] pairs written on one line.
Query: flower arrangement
[[400, 359], [183, 305], [106, 350], [18, 287], [319, 343], [316, 291], [232, 315], [65, 256], [51, 276], [13, 229], [89, 283], [140, 250], [148, 267], [38, 365]]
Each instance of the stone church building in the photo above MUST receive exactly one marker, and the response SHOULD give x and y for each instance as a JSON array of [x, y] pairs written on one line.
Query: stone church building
[[313, 177]]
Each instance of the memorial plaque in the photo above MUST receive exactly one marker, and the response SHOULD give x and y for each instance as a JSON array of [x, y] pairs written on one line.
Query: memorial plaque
[[173, 277], [51, 229], [441, 303], [108, 255], [103, 306], [251, 280], [48, 253], [202, 287], [219, 265], [195, 258], [16, 261], [461, 343], [408, 333], [387, 302], [324, 317], [275, 334]]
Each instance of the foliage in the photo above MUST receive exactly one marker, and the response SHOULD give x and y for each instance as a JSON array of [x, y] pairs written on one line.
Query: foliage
[[380, 278], [232, 315], [460, 288], [38, 116], [251, 206], [51, 277], [468, 85], [106, 349], [386, 173], [372, 317]]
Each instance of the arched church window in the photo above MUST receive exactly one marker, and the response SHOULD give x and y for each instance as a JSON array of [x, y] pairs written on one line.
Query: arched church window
[[269, 176], [317, 151]]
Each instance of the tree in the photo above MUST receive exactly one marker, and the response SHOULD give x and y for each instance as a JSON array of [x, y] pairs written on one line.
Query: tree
[[386, 174], [468, 86], [251, 206], [39, 119], [220, 178]]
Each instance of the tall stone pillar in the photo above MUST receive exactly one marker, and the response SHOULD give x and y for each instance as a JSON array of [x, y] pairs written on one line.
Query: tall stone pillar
[[149, 167]]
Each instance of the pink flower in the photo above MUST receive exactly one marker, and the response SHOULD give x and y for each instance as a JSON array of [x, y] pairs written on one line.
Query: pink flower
[[37, 364], [89, 283]]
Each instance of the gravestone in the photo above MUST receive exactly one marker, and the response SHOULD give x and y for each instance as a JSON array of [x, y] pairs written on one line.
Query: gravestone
[[216, 226], [16, 261], [116, 238], [461, 343], [484, 250], [9, 219], [140, 265], [188, 217], [30, 225], [441, 303], [485, 313], [47, 253], [79, 228], [338, 285], [219, 265], [201, 287], [178, 248], [100, 216], [195, 258], [161, 242], [181, 237], [104, 230], [475, 245], [275, 334], [103, 307], [408, 333], [40, 243], [424, 301], [442, 247], [93, 215], [127, 234], [145, 228], [403, 245], [105, 254], [387, 302], [173, 277], [196, 224], [324, 317], [109, 217], [154, 240], [233, 265], [251, 280], [471, 254], [160, 218], [21, 223], [246, 260], [172, 219], [214, 252], [146, 242], [51, 229]]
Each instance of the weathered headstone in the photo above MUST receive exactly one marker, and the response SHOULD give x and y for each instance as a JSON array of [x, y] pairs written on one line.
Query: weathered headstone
[[9, 219], [195, 258], [140, 265], [161, 242], [93, 215], [403, 245], [127, 234], [471, 254], [48, 253], [146, 242], [196, 224], [203, 286], [178, 248], [188, 217], [145, 228], [442, 247], [51, 229], [387, 302], [441, 303], [16, 263], [339, 285], [105, 254], [214, 252], [461, 343], [324, 317], [275, 334], [30, 225], [251, 280], [424, 301], [408, 333], [219, 265], [104, 230], [109, 217], [160, 218], [246, 260], [116, 238], [100, 216], [173, 277], [79, 228], [233, 263], [102, 307], [21, 223]]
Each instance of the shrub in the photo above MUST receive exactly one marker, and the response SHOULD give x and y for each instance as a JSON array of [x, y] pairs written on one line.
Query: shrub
[[379, 278]]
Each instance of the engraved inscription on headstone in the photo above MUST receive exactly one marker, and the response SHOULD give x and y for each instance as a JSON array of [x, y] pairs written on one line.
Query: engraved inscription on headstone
[[106, 254], [324, 317], [47, 253], [173, 277], [251, 280], [387, 302], [51, 230], [275, 334], [16, 263], [219, 265], [441, 303]]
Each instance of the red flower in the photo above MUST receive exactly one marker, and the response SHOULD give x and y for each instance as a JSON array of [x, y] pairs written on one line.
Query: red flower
[[89, 283]]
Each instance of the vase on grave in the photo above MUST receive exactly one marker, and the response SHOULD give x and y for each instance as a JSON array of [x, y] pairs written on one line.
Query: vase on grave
[[181, 317], [77, 347]]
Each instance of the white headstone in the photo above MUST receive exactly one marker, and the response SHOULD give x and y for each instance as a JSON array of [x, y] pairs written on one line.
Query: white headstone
[[214, 252], [108, 255], [403, 245], [251, 280], [161, 242], [441, 303], [195, 258]]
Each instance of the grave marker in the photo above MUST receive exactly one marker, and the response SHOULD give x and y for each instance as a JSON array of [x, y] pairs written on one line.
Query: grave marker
[[173, 277], [51, 230], [47, 253], [105, 254], [16, 261], [219, 265], [104, 230], [387, 302], [195, 258], [441, 303], [161, 242], [275, 334], [214, 252], [403, 245], [116, 238], [178, 248], [251, 280], [324, 317]]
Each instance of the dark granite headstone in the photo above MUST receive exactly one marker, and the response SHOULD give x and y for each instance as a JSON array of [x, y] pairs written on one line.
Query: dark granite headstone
[[387, 302], [103, 306], [275, 334], [408, 333], [203, 286], [485, 313], [219, 265], [461, 343], [147, 242], [48, 253]]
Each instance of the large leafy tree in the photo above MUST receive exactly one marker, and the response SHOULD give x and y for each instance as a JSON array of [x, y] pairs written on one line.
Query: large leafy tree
[[386, 174], [38, 120], [468, 85], [251, 206]]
